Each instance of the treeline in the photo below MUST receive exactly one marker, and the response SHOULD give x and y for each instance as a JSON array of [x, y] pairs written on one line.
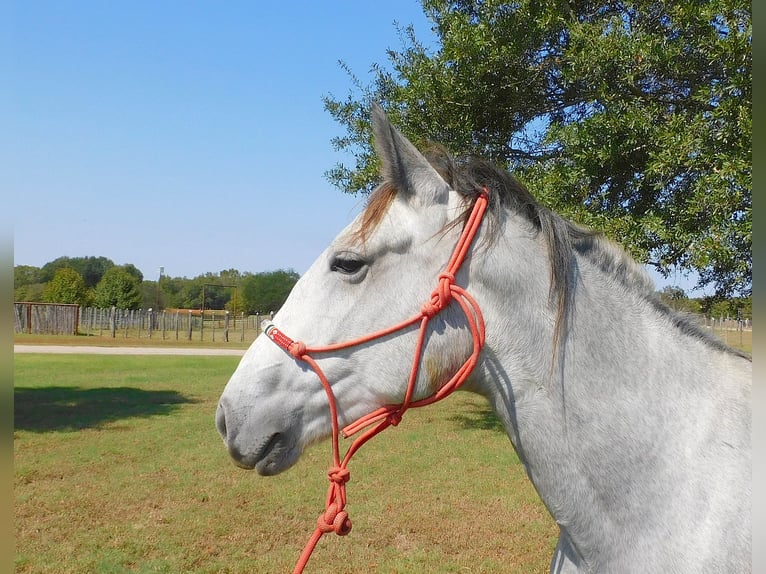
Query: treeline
[[735, 308], [99, 282]]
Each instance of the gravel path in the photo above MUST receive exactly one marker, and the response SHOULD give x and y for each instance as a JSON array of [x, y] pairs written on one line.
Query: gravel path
[[82, 349]]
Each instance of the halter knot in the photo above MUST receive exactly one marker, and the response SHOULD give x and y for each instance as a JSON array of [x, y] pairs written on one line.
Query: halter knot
[[440, 297], [395, 418], [334, 520], [297, 349], [338, 475]]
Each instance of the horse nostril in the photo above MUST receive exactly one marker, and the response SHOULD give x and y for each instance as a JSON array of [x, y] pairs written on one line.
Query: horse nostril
[[220, 421]]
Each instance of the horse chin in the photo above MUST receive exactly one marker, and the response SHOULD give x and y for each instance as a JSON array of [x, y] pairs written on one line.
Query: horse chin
[[276, 456], [273, 455]]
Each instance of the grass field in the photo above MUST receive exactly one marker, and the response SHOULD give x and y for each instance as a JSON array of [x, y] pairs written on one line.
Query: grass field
[[118, 468]]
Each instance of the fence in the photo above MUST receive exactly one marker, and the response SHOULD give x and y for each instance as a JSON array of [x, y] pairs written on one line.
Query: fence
[[175, 324], [46, 318], [731, 331]]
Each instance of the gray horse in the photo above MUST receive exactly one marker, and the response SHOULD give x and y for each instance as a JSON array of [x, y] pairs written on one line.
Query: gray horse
[[633, 423]]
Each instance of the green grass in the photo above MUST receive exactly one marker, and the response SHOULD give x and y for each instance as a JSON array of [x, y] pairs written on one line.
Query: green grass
[[118, 468], [132, 341]]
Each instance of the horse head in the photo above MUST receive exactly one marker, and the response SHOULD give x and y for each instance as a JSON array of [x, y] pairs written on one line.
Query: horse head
[[380, 269]]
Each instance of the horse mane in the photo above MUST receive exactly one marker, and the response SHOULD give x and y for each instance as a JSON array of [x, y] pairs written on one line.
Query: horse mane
[[471, 176]]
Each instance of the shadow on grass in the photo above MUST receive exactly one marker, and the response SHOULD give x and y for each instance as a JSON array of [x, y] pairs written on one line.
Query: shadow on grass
[[74, 408], [479, 418]]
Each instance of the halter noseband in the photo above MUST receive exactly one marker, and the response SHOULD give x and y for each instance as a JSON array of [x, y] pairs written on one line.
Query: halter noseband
[[335, 518]]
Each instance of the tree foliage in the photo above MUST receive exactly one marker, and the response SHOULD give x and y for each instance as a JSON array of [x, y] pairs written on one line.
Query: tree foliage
[[28, 283], [631, 117], [676, 298], [267, 292], [26, 275], [66, 286], [90, 268], [119, 288]]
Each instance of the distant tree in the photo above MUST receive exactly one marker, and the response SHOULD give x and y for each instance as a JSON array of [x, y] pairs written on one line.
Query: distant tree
[[66, 286], [671, 293], [170, 292], [28, 284], [134, 271], [734, 308], [26, 275], [150, 297], [676, 298], [32, 292], [267, 292], [216, 296], [190, 294], [118, 288], [90, 268], [230, 276]]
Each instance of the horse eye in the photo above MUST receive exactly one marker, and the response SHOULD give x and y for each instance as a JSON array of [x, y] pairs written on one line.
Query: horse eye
[[346, 263]]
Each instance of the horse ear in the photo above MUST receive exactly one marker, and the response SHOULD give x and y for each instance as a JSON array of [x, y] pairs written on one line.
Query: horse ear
[[403, 166]]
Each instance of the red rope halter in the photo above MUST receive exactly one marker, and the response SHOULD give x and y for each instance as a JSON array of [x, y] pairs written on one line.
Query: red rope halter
[[335, 518]]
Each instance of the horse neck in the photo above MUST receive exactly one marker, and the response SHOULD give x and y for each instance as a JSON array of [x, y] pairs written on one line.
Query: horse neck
[[621, 386], [616, 341]]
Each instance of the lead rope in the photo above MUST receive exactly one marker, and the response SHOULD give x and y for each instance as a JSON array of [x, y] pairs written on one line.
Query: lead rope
[[335, 518]]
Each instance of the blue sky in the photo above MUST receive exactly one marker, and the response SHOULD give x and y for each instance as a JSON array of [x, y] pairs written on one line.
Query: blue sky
[[189, 136]]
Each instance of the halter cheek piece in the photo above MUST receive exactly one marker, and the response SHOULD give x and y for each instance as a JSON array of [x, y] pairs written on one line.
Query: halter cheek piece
[[335, 518]]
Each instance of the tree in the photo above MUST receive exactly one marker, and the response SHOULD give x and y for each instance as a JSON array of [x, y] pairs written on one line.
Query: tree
[[267, 292], [676, 298], [118, 288], [737, 307], [28, 284], [90, 268], [26, 275], [134, 271], [32, 292], [66, 286], [633, 117]]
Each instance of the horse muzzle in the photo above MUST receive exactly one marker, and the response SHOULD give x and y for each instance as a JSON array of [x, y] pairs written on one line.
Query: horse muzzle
[[257, 447]]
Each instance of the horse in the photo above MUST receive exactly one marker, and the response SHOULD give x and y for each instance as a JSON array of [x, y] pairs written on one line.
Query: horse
[[631, 420]]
